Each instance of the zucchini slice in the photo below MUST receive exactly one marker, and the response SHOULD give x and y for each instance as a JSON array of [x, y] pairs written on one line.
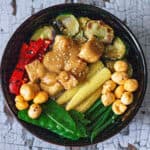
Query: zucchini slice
[[80, 37], [115, 51], [110, 64], [83, 21], [99, 29], [70, 24], [46, 32]]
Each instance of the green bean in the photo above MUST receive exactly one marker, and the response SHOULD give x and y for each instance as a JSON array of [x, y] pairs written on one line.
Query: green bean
[[93, 107], [97, 113], [79, 117], [96, 131], [102, 119]]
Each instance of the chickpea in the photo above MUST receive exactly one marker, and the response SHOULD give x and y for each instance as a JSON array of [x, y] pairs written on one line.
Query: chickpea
[[108, 86], [28, 91], [34, 111], [22, 106], [120, 66], [131, 85], [119, 91], [118, 108], [20, 103], [127, 98], [108, 98], [19, 98], [119, 77], [41, 97]]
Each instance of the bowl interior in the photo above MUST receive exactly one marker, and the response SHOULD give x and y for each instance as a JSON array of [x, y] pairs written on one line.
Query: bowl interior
[[23, 33]]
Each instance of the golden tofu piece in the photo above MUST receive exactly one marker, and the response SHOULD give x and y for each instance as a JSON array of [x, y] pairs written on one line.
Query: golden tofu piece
[[52, 90], [67, 80], [91, 51], [35, 70], [53, 62], [49, 78], [77, 67]]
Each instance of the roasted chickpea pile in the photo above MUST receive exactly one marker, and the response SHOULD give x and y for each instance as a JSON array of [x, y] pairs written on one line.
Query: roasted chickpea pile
[[118, 91], [31, 92]]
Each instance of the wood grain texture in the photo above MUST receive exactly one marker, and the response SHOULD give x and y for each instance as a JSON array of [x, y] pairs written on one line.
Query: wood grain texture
[[136, 14]]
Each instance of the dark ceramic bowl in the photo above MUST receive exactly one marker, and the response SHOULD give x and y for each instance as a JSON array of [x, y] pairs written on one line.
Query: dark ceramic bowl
[[23, 33]]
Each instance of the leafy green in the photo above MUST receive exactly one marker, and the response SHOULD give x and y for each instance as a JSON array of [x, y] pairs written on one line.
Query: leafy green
[[56, 119], [59, 115]]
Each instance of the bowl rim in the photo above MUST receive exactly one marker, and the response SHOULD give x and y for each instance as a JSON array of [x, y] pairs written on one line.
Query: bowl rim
[[136, 43]]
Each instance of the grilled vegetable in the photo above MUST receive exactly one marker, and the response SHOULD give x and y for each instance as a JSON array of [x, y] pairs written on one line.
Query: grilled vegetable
[[115, 51], [46, 33], [83, 21], [110, 64], [70, 25], [80, 37], [99, 29], [90, 86]]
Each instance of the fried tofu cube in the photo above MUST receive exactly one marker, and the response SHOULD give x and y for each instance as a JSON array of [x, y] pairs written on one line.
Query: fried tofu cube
[[91, 51], [52, 90], [77, 67], [67, 80], [49, 78], [35, 70]]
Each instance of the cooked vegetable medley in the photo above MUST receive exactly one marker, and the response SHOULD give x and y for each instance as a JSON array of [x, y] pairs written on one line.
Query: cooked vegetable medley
[[73, 78]]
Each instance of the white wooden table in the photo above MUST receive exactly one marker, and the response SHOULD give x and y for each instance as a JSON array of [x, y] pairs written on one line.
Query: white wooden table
[[136, 14]]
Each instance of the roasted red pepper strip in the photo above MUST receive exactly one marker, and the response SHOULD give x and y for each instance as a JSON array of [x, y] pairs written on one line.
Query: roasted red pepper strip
[[28, 53]]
